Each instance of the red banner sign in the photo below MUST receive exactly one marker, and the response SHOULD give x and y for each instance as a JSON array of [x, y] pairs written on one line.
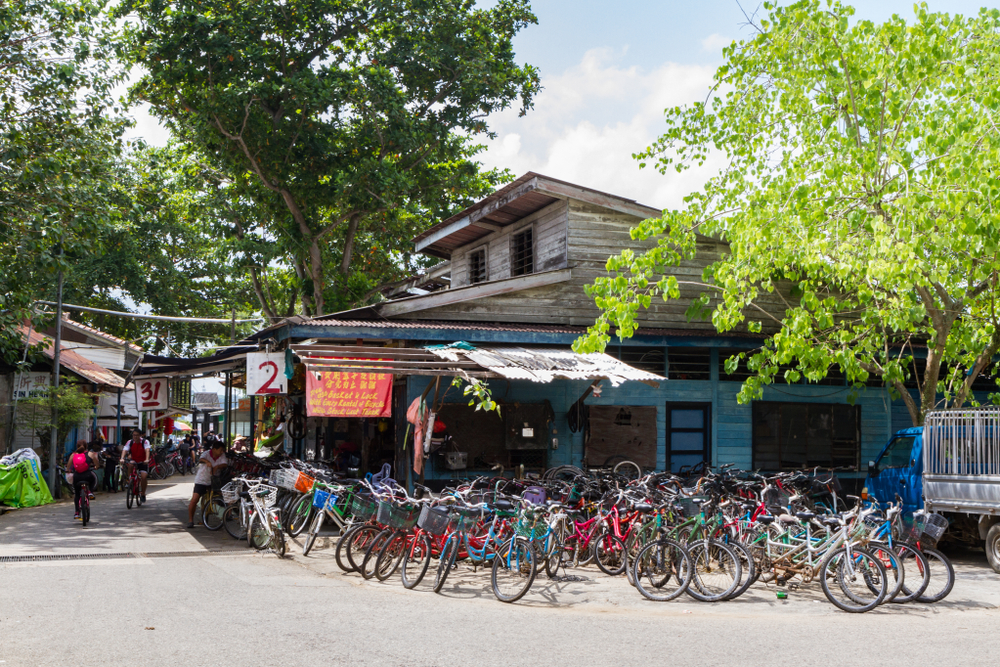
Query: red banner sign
[[337, 394]]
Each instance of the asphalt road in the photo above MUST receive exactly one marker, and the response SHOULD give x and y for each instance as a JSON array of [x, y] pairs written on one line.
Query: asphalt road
[[203, 606]]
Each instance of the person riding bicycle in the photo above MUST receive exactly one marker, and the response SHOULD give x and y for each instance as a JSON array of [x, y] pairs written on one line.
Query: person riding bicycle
[[209, 465], [137, 455], [81, 463]]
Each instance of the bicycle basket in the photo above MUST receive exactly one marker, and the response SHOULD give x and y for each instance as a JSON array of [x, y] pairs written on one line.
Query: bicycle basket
[[382, 516], [689, 507], [304, 483], [463, 520], [269, 498], [231, 493], [321, 498], [775, 499], [402, 517], [934, 527], [434, 520], [285, 478], [363, 507], [909, 529]]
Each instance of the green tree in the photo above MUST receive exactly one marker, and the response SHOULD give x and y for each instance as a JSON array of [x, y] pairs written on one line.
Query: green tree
[[859, 193], [59, 140], [74, 405], [348, 119]]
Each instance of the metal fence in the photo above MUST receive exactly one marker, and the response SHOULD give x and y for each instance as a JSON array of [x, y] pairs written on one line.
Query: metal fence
[[962, 442]]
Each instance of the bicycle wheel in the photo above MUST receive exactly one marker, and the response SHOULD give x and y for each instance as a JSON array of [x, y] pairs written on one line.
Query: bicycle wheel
[[84, 511], [314, 529], [277, 543], [416, 560], [213, 513], [628, 470], [942, 576], [233, 522], [340, 550], [257, 535], [446, 562], [893, 568], [128, 496], [358, 546], [662, 570], [559, 556], [716, 571], [514, 570], [299, 515], [855, 583], [367, 568], [918, 574], [609, 552], [748, 574], [391, 556]]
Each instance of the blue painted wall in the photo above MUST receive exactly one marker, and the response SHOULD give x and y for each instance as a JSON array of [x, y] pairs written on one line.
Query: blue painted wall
[[731, 422]]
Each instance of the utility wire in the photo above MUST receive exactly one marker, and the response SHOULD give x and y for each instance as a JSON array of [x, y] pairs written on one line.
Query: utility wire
[[158, 318]]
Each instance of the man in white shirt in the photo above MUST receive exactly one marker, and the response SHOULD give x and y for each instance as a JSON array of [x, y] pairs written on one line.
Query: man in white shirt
[[212, 461]]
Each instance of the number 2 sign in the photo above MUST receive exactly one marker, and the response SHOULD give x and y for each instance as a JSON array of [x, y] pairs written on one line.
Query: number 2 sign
[[151, 394], [266, 374]]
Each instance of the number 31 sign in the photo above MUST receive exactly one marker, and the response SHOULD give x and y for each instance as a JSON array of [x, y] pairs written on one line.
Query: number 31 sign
[[151, 394], [266, 373]]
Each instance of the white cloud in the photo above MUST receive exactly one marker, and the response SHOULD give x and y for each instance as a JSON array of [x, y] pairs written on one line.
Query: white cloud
[[715, 42], [589, 120]]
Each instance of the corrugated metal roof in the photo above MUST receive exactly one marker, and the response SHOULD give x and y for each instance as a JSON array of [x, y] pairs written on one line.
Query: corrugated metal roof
[[545, 365], [436, 325], [73, 362], [97, 332]]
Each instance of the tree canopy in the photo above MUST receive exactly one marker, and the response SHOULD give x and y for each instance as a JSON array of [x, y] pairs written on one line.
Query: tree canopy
[[859, 190], [351, 123]]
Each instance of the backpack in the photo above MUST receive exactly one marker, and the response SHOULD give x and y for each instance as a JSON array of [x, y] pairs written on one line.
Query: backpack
[[81, 462]]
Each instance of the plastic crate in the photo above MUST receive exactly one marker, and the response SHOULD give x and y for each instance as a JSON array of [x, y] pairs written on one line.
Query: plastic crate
[[435, 520]]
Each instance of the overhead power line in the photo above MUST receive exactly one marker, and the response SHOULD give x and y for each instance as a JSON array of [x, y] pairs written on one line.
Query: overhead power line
[[157, 318]]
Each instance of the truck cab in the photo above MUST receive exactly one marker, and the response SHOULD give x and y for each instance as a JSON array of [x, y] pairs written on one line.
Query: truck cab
[[897, 470]]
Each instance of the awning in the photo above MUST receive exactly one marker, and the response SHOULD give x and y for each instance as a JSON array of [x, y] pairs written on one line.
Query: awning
[[460, 358]]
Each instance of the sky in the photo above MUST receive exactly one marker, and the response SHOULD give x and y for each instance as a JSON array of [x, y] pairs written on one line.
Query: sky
[[608, 71]]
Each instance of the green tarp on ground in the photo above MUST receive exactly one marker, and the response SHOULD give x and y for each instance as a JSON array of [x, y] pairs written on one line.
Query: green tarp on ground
[[21, 485]]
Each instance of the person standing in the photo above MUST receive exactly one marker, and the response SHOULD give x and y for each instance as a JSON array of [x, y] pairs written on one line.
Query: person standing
[[137, 454], [209, 465], [185, 450], [112, 454]]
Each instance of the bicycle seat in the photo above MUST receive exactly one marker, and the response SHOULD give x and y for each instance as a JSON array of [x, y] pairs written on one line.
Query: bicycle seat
[[503, 505], [806, 516], [832, 522], [765, 519], [787, 518], [643, 507], [245, 495]]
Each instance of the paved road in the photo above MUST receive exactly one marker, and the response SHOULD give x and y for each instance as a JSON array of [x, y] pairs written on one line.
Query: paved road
[[220, 609]]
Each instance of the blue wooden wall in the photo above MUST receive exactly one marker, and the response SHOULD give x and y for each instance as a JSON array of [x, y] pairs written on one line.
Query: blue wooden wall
[[731, 422]]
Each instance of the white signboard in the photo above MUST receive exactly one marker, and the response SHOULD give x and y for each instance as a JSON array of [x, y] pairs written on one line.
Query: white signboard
[[266, 374], [151, 394], [30, 385]]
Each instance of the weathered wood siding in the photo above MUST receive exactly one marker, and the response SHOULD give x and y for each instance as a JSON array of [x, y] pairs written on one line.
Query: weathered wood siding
[[579, 236], [549, 236]]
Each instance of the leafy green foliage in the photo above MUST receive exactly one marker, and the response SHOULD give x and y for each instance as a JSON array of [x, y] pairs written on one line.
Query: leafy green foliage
[[348, 121], [59, 138], [859, 202]]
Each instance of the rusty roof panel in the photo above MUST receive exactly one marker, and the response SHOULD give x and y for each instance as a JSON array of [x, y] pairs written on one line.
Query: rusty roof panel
[[74, 362]]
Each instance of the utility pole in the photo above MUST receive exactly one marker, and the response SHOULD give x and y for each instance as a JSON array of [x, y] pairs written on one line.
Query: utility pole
[[53, 392]]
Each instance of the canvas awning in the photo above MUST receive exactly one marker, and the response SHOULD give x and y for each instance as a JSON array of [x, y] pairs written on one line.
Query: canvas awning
[[460, 358]]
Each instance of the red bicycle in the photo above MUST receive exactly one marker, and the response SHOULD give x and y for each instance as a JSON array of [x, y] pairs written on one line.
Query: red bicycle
[[133, 488]]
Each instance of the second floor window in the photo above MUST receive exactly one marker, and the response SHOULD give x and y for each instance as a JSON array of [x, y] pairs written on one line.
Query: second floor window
[[522, 254], [477, 266]]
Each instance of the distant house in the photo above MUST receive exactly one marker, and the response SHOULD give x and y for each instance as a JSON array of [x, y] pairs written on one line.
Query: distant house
[[97, 361]]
